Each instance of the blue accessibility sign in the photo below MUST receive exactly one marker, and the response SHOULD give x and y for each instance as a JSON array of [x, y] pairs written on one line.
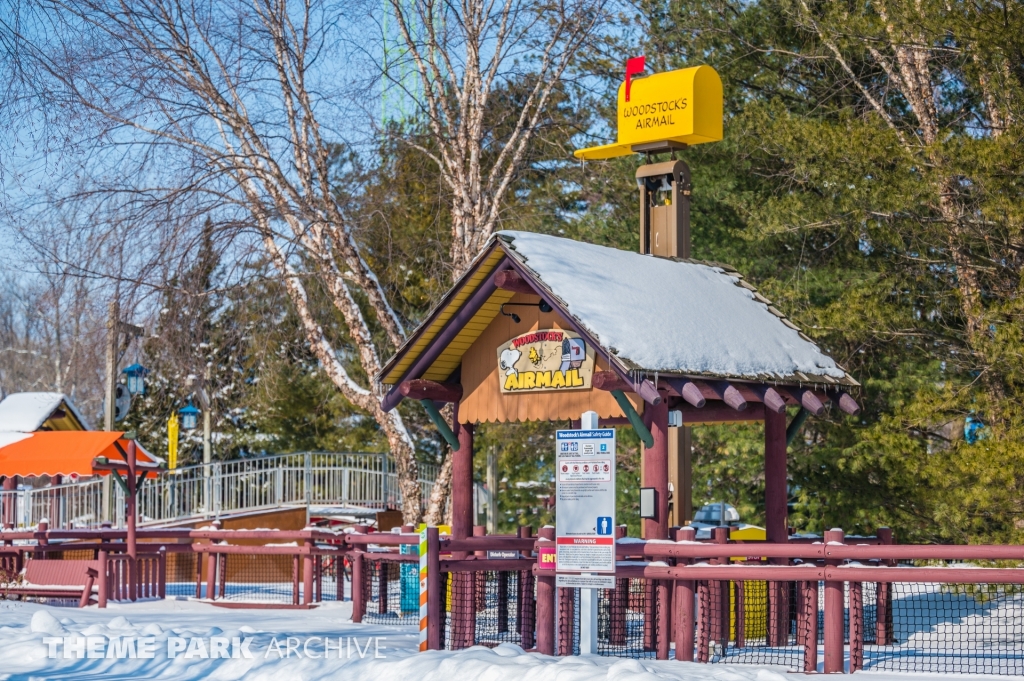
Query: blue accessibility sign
[[604, 525]]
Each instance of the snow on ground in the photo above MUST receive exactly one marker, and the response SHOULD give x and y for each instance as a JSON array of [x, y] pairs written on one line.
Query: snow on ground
[[288, 645]]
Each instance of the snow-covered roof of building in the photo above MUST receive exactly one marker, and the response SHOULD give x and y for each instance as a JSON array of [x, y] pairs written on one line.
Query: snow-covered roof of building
[[671, 315], [27, 412], [651, 315]]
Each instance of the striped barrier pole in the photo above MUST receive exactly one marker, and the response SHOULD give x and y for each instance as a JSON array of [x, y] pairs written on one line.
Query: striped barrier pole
[[423, 590]]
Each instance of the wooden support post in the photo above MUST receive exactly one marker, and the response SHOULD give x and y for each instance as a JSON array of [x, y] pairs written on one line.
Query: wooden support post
[[462, 483], [649, 641], [358, 587], [528, 608], [856, 626], [480, 577], [680, 475], [307, 574], [211, 576], [296, 579], [222, 573], [162, 574], [834, 662], [199, 574], [809, 593], [663, 633], [720, 595], [382, 587], [684, 610], [883, 599], [775, 494], [741, 614], [104, 578], [776, 526], [546, 604], [435, 596], [704, 622], [90, 579], [655, 466]]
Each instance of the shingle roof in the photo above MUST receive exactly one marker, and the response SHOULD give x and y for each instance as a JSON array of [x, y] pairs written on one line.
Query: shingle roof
[[650, 314], [671, 315]]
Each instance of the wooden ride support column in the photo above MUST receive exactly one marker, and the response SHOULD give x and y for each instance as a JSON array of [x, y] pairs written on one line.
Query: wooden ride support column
[[463, 583], [809, 628], [776, 527], [546, 603], [684, 609], [834, 653], [307, 573], [655, 463]]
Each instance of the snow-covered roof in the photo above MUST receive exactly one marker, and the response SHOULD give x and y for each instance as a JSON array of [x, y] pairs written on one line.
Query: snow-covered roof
[[26, 412], [672, 315]]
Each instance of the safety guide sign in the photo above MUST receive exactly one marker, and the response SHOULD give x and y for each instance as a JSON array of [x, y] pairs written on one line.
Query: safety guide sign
[[585, 500]]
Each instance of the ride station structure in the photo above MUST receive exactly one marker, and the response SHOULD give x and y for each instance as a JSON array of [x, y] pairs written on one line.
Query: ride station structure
[[545, 328]]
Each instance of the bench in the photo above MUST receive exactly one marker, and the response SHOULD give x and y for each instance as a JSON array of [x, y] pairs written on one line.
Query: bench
[[59, 579]]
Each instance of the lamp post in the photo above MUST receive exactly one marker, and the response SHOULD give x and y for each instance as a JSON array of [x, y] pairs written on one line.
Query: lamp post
[[189, 416]]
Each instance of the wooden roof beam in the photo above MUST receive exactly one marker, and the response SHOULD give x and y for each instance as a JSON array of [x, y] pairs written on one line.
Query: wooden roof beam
[[805, 398], [685, 388], [510, 280], [609, 381], [847, 403], [771, 398], [721, 414], [724, 391], [422, 389]]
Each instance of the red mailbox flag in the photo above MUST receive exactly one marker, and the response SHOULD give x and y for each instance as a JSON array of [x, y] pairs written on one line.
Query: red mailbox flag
[[634, 66]]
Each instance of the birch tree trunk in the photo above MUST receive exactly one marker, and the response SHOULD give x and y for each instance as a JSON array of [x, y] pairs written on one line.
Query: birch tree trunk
[[222, 104]]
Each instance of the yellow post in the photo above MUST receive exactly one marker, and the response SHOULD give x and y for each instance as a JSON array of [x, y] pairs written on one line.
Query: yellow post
[[172, 441]]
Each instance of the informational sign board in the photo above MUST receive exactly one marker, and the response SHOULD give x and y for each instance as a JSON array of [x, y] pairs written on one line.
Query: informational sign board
[[585, 501], [548, 359], [585, 581]]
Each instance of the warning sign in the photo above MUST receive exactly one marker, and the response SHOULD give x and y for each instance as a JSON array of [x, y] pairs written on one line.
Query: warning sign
[[585, 500]]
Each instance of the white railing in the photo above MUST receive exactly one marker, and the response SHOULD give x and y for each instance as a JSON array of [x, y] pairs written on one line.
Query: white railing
[[221, 488]]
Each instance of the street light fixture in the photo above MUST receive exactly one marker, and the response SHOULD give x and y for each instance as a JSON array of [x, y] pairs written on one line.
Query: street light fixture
[[189, 417], [135, 377]]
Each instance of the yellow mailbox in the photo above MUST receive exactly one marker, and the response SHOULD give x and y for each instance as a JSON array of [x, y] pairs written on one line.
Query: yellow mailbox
[[682, 107]]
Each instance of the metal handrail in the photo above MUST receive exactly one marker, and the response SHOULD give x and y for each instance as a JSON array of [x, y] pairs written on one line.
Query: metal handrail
[[224, 487]]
